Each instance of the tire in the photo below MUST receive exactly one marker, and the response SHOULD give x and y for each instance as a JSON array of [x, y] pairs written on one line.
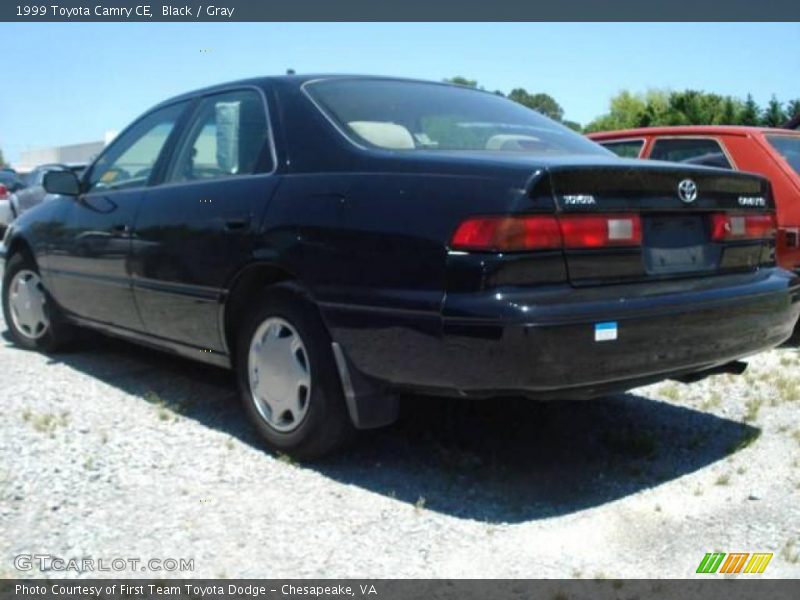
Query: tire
[[305, 416], [52, 333]]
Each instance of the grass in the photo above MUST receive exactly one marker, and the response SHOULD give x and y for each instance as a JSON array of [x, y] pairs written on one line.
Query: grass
[[286, 459], [420, 503], [153, 398], [790, 552], [714, 400], [46, 422], [670, 391], [751, 408], [787, 388], [723, 479], [166, 410]]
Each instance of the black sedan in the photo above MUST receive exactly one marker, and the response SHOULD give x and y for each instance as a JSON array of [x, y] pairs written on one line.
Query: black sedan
[[335, 239]]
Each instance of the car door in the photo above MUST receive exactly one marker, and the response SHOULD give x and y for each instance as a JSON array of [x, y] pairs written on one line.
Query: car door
[[90, 259], [194, 229]]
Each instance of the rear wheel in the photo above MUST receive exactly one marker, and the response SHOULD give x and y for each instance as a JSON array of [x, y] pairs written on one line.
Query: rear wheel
[[287, 376], [30, 313]]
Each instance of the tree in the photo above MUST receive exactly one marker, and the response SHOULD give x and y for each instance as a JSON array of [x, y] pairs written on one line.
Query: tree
[[730, 111], [2, 159], [688, 107], [773, 115], [627, 111], [541, 102], [750, 112], [458, 80], [793, 108], [544, 103]]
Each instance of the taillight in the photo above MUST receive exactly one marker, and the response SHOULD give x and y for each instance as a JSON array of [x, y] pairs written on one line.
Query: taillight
[[3, 192], [726, 227], [507, 234], [601, 231], [540, 232]]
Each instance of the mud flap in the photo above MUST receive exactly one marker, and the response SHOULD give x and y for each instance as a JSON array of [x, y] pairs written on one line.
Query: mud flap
[[370, 405]]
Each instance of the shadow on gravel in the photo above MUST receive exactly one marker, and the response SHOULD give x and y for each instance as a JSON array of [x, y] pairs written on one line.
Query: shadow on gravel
[[503, 460]]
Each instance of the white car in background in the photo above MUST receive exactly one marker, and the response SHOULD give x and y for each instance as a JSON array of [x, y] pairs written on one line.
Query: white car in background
[[10, 183]]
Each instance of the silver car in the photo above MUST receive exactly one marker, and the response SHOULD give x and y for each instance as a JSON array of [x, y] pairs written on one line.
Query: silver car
[[34, 193]]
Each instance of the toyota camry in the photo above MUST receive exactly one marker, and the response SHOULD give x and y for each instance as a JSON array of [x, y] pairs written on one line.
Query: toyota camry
[[336, 240]]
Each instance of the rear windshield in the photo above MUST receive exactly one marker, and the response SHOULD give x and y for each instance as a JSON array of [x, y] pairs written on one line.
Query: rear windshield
[[788, 146], [407, 115]]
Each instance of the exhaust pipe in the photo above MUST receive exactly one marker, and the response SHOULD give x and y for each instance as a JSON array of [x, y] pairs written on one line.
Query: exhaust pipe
[[737, 367]]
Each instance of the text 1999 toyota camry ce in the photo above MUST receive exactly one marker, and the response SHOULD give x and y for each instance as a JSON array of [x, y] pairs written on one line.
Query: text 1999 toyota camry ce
[[335, 239]]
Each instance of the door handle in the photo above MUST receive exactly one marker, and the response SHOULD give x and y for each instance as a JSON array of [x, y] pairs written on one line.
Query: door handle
[[237, 224]]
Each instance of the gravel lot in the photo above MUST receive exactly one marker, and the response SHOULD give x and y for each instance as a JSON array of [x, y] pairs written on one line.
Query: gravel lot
[[111, 450]]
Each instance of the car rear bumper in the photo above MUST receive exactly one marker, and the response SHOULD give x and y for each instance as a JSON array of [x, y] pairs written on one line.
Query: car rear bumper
[[543, 343]]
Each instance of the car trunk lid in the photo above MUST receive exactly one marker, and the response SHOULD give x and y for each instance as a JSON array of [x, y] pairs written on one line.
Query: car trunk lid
[[690, 221]]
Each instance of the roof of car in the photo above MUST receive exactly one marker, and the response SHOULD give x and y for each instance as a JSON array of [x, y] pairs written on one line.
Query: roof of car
[[685, 130], [296, 80]]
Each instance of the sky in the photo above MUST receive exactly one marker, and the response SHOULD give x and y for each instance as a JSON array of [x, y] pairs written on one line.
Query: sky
[[69, 83]]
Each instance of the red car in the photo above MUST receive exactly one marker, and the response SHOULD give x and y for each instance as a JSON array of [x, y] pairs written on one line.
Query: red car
[[773, 153]]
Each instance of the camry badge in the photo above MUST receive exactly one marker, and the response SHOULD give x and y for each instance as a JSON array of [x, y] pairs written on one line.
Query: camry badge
[[687, 191]]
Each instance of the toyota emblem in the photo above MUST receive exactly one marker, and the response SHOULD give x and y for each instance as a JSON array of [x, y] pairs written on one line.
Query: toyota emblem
[[687, 191]]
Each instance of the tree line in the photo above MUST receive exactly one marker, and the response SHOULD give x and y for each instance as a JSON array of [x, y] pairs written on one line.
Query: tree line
[[660, 107]]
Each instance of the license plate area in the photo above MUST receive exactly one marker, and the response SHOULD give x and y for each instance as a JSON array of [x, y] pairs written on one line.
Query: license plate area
[[677, 244]]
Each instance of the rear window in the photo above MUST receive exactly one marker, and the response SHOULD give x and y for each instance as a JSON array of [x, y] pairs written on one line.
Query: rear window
[[788, 146], [626, 149], [409, 116], [693, 151]]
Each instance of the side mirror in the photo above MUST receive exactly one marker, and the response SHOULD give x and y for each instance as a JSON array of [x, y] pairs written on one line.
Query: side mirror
[[62, 182]]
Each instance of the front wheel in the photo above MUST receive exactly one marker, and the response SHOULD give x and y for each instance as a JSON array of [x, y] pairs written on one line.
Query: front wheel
[[30, 313], [287, 376]]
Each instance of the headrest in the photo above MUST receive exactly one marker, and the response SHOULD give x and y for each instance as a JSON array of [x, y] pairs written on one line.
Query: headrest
[[510, 141], [385, 135]]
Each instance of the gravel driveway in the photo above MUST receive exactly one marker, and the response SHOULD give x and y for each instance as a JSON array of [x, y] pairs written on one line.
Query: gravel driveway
[[112, 450]]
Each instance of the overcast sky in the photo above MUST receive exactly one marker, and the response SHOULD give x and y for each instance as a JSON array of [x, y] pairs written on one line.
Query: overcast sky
[[68, 83]]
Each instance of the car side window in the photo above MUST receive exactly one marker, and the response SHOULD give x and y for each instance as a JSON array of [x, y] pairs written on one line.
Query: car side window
[[626, 149], [225, 138], [693, 151], [130, 159]]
